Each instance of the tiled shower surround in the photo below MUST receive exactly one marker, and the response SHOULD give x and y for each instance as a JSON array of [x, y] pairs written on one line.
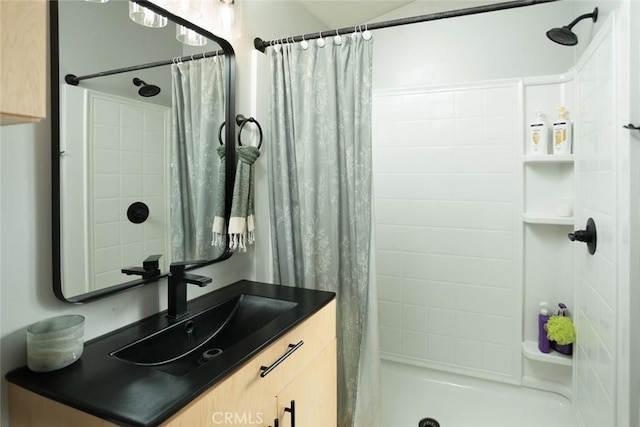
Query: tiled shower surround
[[446, 222], [597, 283], [448, 238], [129, 165]]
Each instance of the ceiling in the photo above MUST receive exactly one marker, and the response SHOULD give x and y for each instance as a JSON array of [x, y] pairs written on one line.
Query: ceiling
[[347, 13], [339, 14]]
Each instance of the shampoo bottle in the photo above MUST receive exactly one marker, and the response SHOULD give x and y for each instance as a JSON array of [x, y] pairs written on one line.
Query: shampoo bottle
[[562, 133], [538, 135], [543, 342]]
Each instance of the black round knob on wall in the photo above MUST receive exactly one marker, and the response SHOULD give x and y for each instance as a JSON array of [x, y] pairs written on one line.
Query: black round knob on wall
[[588, 236], [138, 212]]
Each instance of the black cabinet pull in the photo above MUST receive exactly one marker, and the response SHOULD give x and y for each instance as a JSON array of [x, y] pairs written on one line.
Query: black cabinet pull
[[266, 369], [292, 410]]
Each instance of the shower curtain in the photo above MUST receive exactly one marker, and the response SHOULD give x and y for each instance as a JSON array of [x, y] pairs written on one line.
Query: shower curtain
[[320, 199], [198, 111]]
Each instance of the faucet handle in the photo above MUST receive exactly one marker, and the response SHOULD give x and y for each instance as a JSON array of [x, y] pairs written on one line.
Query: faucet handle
[[151, 262], [150, 268]]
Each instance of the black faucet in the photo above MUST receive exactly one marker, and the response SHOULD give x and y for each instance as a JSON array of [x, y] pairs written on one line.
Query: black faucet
[[177, 287], [150, 268]]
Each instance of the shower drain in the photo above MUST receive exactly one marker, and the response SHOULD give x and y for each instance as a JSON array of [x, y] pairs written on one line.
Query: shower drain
[[428, 422]]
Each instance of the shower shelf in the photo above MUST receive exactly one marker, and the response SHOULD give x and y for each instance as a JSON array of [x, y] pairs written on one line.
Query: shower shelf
[[550, 158], [530, 351], [546, 219]]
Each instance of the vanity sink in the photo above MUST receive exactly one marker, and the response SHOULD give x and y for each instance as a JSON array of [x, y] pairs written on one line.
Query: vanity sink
[[197, 339], [145, 372]]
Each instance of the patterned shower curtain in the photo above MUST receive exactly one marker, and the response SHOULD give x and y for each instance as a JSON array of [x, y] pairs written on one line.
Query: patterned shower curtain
[[198, 111], [320, 199]]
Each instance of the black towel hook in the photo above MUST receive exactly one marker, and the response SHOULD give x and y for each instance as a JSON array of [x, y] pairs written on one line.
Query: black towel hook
[[241, 121]]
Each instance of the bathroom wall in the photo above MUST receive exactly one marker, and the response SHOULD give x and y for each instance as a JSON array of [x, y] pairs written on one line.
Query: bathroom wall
[[632, 334], [447, 223], [598, 278], [26, 294]]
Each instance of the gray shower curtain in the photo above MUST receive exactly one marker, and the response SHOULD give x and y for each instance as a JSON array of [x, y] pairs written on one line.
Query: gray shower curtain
[[198, 111], [320, 199]]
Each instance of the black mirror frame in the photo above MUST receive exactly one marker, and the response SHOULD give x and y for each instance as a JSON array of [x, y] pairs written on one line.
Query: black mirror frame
[[230, 66]]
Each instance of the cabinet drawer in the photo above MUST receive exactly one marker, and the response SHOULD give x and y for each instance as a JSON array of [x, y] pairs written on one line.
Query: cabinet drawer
[[247, 394], [315, 334]]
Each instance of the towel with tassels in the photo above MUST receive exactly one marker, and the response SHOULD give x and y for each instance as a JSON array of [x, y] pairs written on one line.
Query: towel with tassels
[[242, 223], [219, 231]]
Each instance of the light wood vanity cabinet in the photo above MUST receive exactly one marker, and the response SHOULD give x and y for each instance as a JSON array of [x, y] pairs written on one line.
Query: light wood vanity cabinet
[[23, 79], [306, 375]]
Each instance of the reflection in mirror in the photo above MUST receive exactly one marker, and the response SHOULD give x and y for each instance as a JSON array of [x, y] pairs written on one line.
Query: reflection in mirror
[[139, 162]]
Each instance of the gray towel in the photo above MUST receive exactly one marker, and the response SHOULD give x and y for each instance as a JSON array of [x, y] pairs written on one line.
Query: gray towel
[[219, 231], [242, 222]]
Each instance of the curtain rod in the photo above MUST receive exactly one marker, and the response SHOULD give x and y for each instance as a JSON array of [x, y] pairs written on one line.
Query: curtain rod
[[74, 80], [261, 45]]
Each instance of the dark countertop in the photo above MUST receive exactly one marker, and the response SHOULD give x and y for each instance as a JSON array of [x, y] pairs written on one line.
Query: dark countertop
[[132, 395]]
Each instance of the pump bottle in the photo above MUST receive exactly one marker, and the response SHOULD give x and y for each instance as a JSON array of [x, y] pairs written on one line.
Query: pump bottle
[[543, 342], [538, 135], [562, 133]]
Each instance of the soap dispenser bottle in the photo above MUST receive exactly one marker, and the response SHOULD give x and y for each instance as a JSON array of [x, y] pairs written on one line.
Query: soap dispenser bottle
[[538, 135], [543, 342], [562, 133]]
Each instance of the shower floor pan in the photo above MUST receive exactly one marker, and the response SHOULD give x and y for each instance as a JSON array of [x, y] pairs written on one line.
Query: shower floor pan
[[411, 394]]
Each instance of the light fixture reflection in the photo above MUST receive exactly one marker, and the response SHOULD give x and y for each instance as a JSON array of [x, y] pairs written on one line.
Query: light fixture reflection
[[97, 1], [227, 17], [189, 37], [190, 9], [143, 16]]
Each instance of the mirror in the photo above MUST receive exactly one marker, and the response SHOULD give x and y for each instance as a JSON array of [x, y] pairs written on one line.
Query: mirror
[[137, 167]]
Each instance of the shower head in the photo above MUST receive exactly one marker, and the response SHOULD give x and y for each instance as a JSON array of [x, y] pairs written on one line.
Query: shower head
[[146, 90], [564, 35]]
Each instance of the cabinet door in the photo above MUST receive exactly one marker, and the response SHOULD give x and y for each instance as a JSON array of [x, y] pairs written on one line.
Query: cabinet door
[[23, 76], [28, 409], [313, 393]]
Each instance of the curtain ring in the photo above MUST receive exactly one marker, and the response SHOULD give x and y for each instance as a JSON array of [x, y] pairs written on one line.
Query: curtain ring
[[304, 44], [320, 41], [252, 120], [367, 34], [337, 40]]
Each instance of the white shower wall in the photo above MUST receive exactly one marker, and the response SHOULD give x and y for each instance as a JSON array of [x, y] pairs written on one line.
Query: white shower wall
[[129, 164], [597, 283], [448, 236], [126, 162]]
